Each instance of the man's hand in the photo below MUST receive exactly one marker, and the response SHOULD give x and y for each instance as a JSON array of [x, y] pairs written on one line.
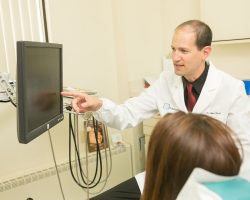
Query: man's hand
[[82, 102]]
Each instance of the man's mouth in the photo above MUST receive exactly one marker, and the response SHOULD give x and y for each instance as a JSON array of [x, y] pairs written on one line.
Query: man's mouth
[[178, 65]]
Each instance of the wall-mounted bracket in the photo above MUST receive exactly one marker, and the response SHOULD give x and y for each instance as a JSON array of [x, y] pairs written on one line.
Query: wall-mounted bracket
[[7, 88]]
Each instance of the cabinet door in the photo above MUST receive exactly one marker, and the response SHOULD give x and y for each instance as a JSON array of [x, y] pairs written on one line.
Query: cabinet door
[[229, 20]]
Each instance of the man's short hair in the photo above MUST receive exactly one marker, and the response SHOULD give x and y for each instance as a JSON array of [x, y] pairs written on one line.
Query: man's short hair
[[203, 32]]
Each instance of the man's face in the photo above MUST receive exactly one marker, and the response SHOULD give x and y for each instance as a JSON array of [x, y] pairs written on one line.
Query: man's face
[[188, 60]]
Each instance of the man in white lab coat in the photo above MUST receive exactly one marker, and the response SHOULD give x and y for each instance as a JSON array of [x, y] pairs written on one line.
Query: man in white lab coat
[[193, 84]]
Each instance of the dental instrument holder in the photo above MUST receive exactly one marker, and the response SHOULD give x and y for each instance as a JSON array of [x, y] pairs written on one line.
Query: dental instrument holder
[[86, 117]]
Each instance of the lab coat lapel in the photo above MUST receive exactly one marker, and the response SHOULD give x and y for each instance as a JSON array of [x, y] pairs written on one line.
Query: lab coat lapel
[[178, 93], [208, 91]]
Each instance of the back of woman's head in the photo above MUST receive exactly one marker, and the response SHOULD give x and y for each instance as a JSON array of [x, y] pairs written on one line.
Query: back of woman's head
[[181, 142]]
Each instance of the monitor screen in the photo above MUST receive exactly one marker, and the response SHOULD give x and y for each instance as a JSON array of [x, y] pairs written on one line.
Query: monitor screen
[[39, 83]]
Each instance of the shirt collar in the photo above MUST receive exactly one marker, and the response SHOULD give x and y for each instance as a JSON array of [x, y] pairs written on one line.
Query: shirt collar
[[198, 83]]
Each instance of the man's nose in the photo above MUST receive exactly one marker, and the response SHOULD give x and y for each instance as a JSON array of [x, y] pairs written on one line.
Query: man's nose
[[176, 56]]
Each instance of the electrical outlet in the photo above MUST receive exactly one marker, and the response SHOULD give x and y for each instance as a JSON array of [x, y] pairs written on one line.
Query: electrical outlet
[[116, 138]]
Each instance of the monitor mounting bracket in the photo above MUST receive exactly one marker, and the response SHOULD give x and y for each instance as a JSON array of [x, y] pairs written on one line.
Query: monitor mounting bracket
[[7, 88]]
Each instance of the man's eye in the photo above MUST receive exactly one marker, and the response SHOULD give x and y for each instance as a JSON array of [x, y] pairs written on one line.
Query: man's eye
[[184, 51]]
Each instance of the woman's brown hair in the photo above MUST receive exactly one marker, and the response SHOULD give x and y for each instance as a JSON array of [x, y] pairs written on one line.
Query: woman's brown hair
[[181, 142]]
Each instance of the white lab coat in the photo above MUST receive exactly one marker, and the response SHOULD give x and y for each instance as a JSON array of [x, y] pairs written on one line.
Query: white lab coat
[[222, 97]]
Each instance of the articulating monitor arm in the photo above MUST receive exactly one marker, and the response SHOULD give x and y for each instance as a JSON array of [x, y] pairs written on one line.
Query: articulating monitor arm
[[7, 89]]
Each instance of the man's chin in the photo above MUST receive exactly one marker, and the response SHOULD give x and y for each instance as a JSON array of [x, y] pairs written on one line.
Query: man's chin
[[178, 73]]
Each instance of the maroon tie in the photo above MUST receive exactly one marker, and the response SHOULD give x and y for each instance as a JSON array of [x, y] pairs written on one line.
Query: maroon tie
[[191, 98]]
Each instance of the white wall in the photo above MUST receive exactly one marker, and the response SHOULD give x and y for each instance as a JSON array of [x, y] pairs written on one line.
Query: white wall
[[176, 12], [85, 28], [139, 34]]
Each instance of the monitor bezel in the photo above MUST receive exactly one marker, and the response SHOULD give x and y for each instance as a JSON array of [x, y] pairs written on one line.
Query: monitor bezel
[[25, 136]]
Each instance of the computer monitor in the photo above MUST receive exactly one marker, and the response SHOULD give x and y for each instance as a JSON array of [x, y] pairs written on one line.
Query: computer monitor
[[39, 83]]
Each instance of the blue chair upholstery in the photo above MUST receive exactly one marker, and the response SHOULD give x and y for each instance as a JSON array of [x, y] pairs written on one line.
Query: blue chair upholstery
[[247, 86], [234, 189]]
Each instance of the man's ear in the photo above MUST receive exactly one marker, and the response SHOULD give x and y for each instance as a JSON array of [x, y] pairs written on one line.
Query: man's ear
[[206, 51]]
